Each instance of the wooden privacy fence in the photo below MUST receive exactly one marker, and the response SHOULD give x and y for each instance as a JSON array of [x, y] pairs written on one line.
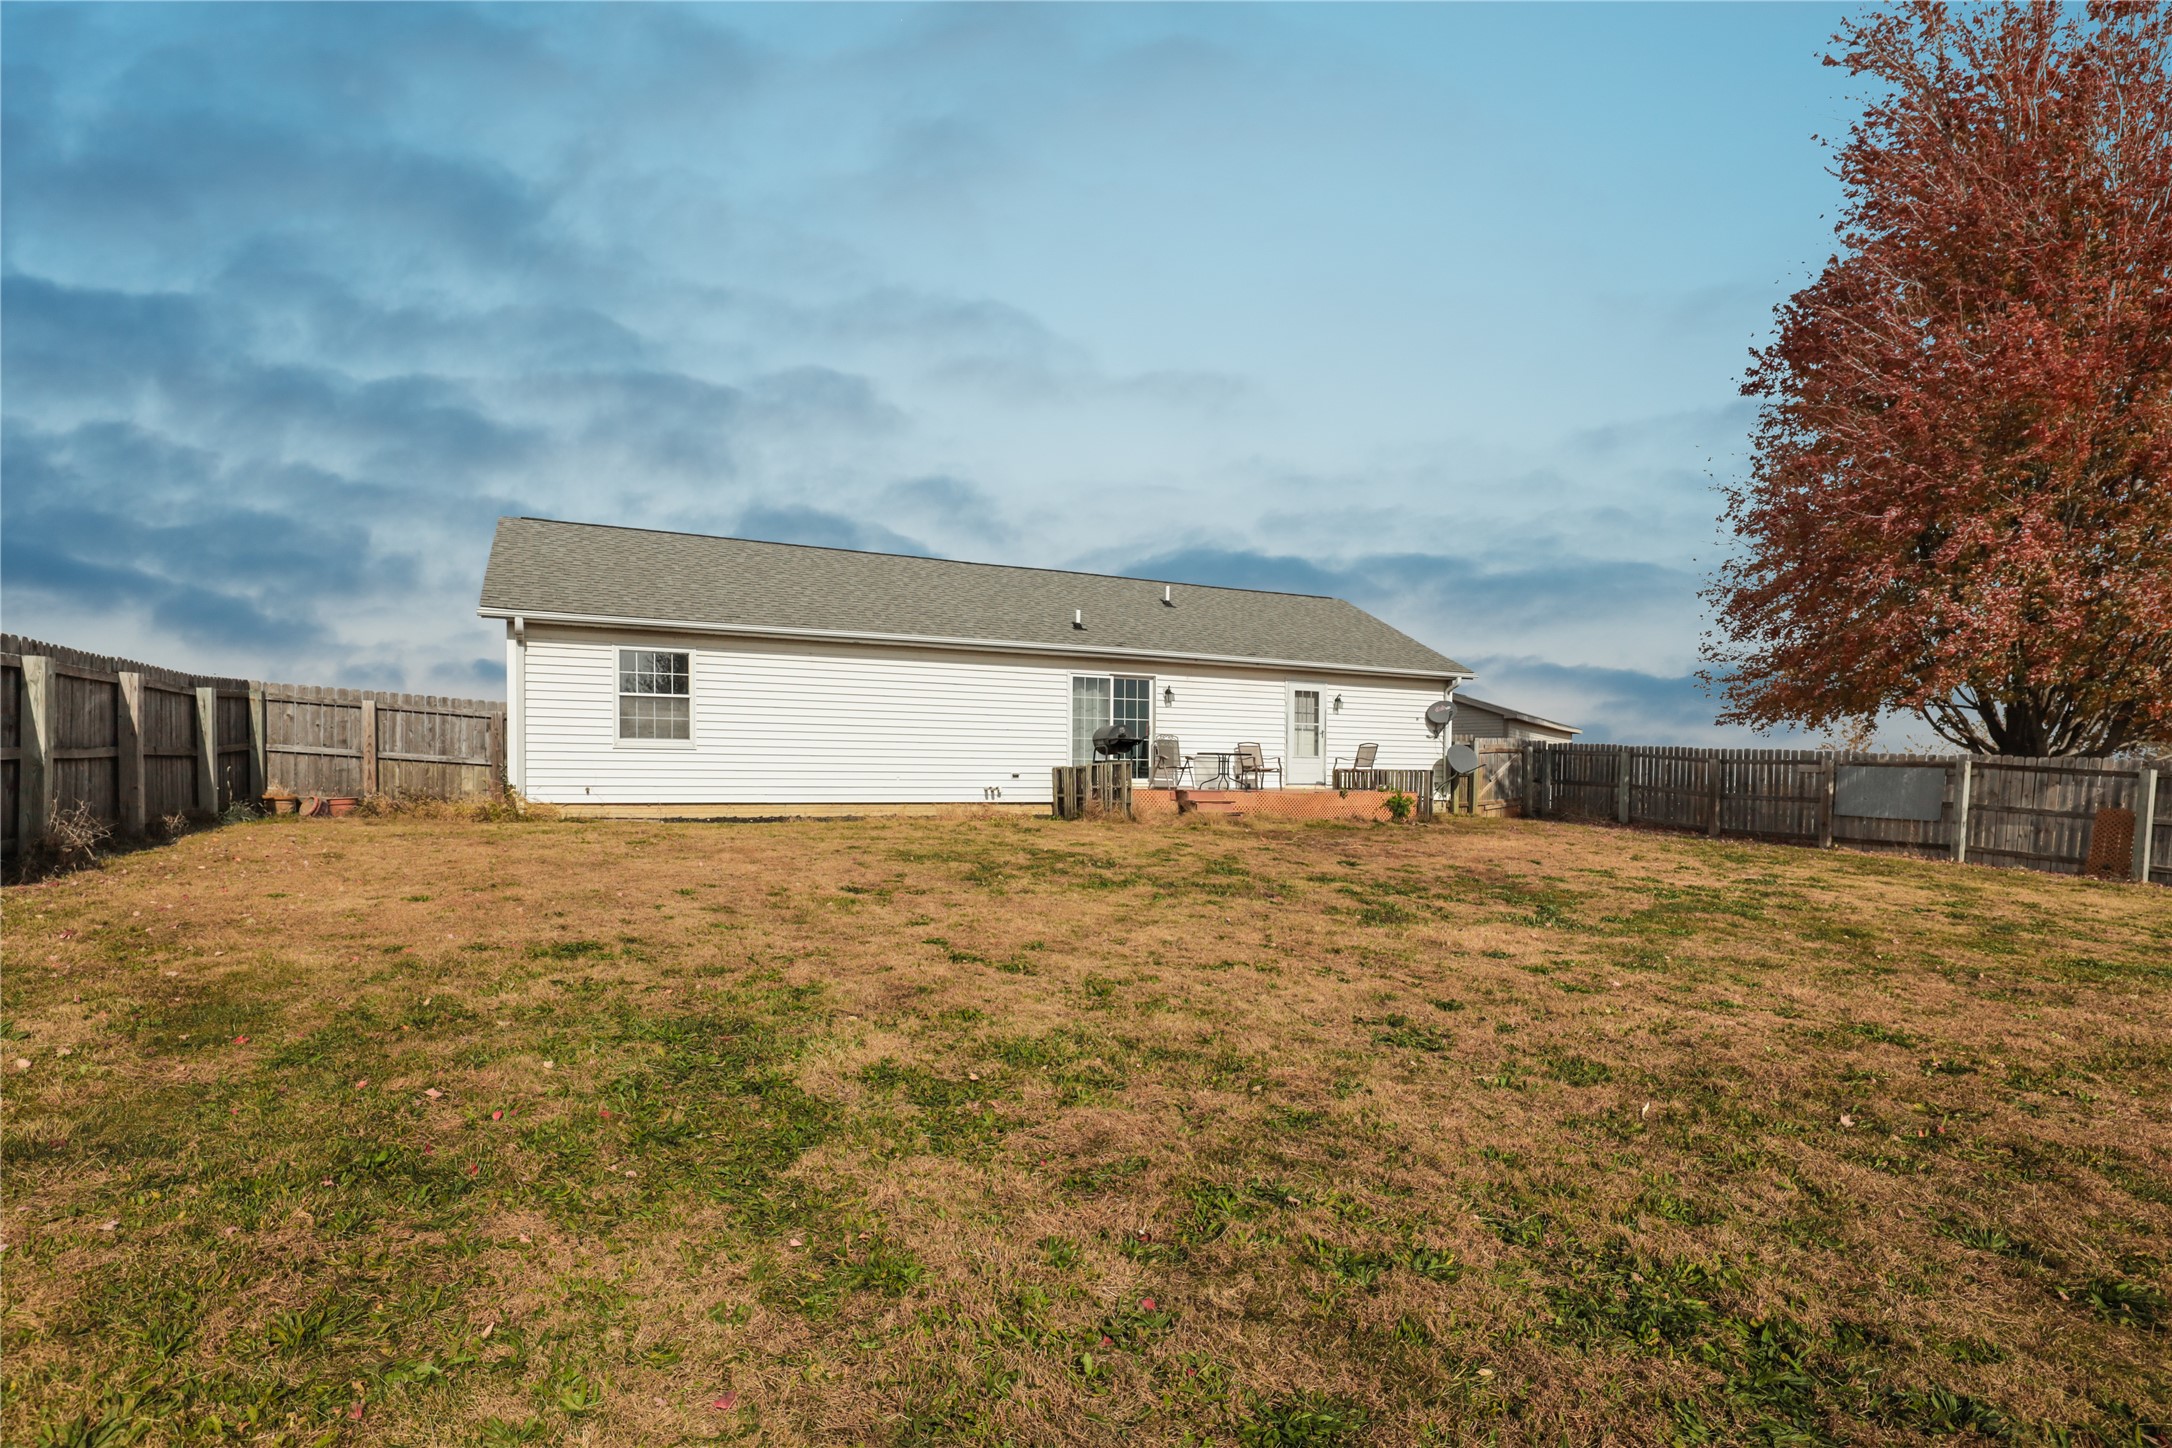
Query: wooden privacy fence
[[1082, 789], [2072, 816], [134, 743]]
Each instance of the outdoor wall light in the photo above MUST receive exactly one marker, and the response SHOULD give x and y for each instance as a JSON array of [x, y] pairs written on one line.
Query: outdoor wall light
[[1168, 695], [1338, 703]]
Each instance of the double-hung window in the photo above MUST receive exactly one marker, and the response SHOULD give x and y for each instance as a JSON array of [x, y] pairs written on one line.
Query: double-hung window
[[655, 695], [1098, 700]]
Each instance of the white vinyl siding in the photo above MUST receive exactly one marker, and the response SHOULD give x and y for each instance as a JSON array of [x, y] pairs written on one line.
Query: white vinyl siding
[[789, 722]]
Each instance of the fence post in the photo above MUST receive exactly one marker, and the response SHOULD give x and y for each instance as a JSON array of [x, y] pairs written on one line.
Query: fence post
[[2145, 821], [259, 757], [1621, 784], [1966, 770], [497, 754], [1828, 781], [207, 749], [369, 747], [1712, 790], [132, 786], [38, 780]]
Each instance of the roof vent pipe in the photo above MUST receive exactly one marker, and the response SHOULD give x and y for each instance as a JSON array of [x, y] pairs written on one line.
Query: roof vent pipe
[[1166, 599], [1078, 618]]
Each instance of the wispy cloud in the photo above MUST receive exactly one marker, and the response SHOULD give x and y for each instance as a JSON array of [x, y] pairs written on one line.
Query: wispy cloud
[[294, 301]]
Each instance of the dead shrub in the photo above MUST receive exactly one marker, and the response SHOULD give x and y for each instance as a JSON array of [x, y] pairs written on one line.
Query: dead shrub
[[74, 840], [505, 808], [73, 836]]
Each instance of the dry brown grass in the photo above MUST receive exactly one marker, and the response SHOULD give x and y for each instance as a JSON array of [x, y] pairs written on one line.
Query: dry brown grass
[[886, 1131]]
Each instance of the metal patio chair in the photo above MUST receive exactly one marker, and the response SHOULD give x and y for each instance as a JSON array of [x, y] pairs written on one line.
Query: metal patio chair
[[1366, 754], [1253, 768], [1168, 766]]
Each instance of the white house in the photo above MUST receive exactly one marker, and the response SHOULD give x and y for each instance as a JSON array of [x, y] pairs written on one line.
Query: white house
[[721, 676]]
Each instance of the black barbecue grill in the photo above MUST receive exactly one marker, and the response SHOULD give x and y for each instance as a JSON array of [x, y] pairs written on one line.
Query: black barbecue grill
[[1116, 741]]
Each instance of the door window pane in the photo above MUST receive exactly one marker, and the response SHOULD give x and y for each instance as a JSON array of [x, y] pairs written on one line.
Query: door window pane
[[1307, 717], [1134, 710], [1089, 711]]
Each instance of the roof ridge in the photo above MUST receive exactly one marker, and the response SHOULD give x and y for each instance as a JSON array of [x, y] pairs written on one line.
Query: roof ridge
[[922, 558]]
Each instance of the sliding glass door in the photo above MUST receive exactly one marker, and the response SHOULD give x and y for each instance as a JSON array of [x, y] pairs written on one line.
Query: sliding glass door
[[1099, 700]]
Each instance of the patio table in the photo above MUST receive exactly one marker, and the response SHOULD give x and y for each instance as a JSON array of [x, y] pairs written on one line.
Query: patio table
[[1223, 775]]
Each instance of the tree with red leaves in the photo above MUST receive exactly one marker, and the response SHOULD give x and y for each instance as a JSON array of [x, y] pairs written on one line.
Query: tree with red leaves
[[1960, 495]]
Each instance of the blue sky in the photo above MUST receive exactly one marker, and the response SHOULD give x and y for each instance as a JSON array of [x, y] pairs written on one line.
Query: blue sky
[[1443, 309]]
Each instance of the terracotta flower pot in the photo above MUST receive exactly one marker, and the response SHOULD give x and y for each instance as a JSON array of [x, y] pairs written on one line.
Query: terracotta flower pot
[[341, 805]]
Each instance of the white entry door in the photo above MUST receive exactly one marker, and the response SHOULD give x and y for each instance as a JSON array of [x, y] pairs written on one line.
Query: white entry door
[[1307, 760]]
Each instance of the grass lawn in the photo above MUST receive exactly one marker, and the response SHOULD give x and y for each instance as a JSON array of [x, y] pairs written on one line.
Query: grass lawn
[[1010, 1131]]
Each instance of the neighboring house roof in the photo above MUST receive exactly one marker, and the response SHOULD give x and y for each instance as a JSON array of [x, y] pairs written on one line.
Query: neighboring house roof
[[589, 573], [1516, 714]]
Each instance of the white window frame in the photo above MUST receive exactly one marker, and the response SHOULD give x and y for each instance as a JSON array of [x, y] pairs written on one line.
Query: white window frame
[[618, 675]]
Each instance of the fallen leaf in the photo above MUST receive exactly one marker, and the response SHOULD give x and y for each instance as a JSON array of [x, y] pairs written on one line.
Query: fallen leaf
[[1146, 1304], [241, 1040], [795, 1242], [497, 1116], [1846, 1120], [112, 1226], [433, 1093], [725, 1402]]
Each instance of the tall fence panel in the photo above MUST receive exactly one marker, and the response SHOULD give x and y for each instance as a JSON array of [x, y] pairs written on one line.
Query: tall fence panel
[[135, 744], [11, 748], [2108, 816], [1903, 804], [313, 739], [438, 747], [85, 743], [2154, 833], [171, 753]]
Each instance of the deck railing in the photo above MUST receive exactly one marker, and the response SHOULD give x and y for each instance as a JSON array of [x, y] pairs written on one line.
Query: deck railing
[[1417, 783]]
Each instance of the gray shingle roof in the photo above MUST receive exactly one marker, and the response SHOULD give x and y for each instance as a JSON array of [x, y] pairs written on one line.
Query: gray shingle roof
[[543, 568]]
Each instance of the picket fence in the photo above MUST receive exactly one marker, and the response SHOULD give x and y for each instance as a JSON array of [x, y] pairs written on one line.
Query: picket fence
[[134, 743], [2109, 817]]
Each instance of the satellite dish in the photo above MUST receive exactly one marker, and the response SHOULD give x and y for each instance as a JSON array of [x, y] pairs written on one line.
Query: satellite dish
[[1437, 715], [1462, 759]]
